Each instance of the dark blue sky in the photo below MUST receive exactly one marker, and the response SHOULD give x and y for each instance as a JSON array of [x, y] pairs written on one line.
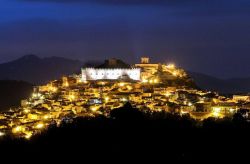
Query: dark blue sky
[[208, 36]]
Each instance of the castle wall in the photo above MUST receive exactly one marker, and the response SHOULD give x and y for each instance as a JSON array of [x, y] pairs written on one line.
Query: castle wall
[[109, 74]]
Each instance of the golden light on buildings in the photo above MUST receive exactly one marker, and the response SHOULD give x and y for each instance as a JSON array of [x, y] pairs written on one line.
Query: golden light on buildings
[[184, 112], [94, 108], [26, 111], [171, 66], [28, 135], [90, 99], [17, 129], [129, 87], [106, 99], [232, 110], [190, 104], [53, 89], [72, 97], [66, 84], [175, 73], [78, 80], [102, 83], [32, 116], [168, 94], [217, 109], [124, 99], [216, 112], [121, 84], [39, 126], [2, 134], [46, 117]]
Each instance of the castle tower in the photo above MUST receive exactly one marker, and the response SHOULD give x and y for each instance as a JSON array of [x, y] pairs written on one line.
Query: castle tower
[[144, 60], [65, 82]]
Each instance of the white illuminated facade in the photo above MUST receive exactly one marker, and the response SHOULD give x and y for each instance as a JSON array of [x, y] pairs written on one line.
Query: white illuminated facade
[[110, 73]]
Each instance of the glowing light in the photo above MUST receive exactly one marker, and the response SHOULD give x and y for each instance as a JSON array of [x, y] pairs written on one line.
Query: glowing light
[[144, 80], [53, 89], [190, 104], [26, 110], [78, 80], [215, 114], [156, 80], [32, 116], [106, 99], [28, 135], [124, 99], [121, 84], [46, 117], [17, 129], [168, 94], [151, 81], [129, 87], [231, 110], [94, 108], [175, 73], [2, 134], [171, 66], [34, 95], [37, 95], [183, 112], [39, 126], [72, 97], [102, 83], [217, 110]]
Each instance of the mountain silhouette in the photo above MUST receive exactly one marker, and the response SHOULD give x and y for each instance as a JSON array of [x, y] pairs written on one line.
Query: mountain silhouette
[[227, 86], [35, 70]]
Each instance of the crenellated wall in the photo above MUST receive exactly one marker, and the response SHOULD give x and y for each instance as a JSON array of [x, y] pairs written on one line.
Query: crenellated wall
[[110, 74]]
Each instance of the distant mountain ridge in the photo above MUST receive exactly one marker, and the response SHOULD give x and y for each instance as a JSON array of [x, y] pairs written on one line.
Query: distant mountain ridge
[[233, 85], [37, 70]]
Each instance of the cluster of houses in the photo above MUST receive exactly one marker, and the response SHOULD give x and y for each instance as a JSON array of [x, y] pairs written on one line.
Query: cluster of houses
[[97, 91]]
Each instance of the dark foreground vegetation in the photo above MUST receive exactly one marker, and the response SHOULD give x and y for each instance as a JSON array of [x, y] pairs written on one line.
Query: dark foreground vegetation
[[131, 135]]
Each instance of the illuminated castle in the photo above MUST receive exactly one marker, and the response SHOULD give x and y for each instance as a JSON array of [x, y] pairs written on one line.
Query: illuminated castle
[[112, 69]]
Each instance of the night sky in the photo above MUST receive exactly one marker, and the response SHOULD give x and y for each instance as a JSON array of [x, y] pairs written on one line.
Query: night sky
[[207, 36]]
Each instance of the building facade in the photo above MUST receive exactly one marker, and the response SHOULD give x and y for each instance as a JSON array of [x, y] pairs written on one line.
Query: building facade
[[112, 69], [110, 73]]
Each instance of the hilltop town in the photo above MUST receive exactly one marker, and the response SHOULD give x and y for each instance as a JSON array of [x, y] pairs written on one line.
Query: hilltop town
[[149, 87]]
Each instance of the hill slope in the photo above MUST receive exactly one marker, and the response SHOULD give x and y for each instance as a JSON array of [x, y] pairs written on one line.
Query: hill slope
[[236, 85], [12, 92], [37, 70]]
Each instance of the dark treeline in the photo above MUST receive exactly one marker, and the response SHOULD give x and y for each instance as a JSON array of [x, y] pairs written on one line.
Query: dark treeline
[[131, 134]]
